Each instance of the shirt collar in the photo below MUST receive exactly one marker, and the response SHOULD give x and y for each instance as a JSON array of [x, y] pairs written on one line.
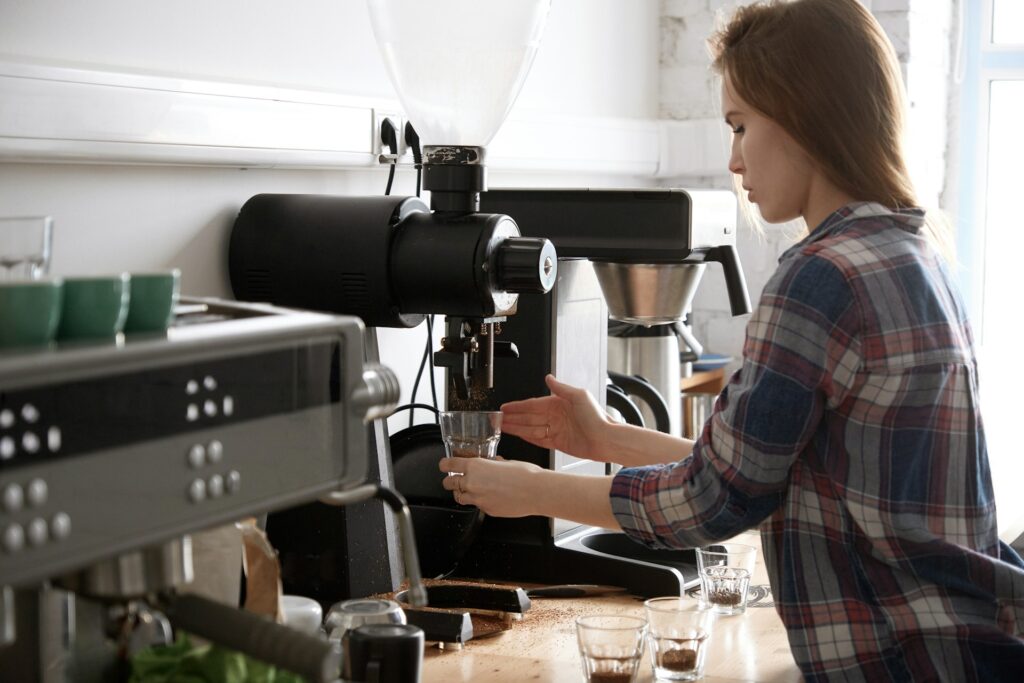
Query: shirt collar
[[910, 219]]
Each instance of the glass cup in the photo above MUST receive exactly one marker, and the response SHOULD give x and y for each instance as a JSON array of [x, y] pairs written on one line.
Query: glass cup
[[347, 615], [725, 570], [470, 433], [610, 647], [678, 633], [25, 247]]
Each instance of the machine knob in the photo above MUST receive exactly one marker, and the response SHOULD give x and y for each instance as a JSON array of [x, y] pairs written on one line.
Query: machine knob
[[526, 264], [378, 393]]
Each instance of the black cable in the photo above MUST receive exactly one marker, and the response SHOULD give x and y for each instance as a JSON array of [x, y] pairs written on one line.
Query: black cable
[[419, 374], [413, 406], [389, 138], [391, 179], [412, 140], [433, 387]]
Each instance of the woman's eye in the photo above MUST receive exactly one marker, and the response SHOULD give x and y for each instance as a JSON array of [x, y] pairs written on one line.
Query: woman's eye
[[738, 130]]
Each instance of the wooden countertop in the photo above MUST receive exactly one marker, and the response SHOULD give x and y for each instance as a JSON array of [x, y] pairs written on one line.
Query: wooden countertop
[[542, 647]]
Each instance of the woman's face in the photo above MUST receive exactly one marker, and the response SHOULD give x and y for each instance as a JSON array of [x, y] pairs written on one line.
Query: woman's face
[[775, 171]]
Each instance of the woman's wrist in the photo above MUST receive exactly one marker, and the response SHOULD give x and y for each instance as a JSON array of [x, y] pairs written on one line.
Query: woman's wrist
[[580, 498]]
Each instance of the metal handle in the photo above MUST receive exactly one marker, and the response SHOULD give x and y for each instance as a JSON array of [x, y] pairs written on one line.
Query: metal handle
[[645, 391], [394, 500], [310, 657], [736, 284]]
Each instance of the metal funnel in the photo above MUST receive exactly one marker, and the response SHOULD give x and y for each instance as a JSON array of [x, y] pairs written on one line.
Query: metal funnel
[[648, 293]]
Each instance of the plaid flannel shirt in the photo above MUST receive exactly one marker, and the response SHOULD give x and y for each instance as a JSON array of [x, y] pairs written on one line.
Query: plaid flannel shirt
[[852, 434]]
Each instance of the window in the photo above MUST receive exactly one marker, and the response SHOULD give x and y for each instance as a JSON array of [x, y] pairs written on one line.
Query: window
[[991, 233]]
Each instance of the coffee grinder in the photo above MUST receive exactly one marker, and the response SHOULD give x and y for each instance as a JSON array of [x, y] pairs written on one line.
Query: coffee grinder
[[457, 67], [638, 256]]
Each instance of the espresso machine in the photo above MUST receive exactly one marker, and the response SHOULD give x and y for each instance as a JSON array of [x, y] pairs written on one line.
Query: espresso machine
[[114, 453], [636, 256]]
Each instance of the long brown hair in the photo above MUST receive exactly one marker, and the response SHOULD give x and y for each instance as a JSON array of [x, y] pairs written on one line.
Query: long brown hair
[[825, 72]]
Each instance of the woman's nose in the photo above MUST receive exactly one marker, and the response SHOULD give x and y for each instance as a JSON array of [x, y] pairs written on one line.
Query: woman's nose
[[736, 159]]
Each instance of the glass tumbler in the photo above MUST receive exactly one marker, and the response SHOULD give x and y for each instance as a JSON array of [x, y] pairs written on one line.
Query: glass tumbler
[[470, 433], [725, 570], [25, 247], [610, 647], [678, 633]]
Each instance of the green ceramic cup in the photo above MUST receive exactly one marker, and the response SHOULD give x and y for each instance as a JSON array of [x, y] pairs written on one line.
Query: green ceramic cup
[[29, 311], [154, 296], [94, 307]]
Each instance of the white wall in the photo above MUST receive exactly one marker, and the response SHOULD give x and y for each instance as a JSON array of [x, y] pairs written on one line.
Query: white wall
[[598, 58]]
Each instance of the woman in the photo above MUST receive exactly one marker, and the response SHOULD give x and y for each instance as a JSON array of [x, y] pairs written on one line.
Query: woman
[[852, 434]]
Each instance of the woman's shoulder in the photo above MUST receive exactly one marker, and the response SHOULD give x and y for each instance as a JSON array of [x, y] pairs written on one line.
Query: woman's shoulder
[[866, 243]]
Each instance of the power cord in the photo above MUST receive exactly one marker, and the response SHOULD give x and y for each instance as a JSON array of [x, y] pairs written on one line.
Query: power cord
[[389, 138], [412, 141]]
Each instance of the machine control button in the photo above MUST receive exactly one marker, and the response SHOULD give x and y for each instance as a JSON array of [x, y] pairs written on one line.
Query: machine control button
[[14, 498], [209, 383], [60, 526], [7, 448], [37, 492], [192, 388], [209, 408], [196, 456], [197, 491], [233, 482], [228, 406], [14, 538], [192, 412], [6, 418], [30, 442], [215, 486], [53, 440], [38, 531], [215, 450], [30, 413]]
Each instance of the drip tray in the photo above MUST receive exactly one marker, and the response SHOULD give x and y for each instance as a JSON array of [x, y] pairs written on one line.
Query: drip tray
[[621, 545], [648, 562]]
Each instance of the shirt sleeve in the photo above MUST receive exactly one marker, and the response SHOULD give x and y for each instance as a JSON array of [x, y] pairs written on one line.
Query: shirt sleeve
[[801, 348]]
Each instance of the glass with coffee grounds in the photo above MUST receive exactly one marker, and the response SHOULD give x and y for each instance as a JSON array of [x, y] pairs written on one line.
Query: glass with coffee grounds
[[725, 570], [610, 647], [678, 633], [470, 433]]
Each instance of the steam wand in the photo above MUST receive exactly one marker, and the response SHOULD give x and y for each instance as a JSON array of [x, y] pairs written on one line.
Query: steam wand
[[394, 500]]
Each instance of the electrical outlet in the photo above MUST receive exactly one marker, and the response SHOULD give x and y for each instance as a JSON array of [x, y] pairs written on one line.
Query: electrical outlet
[[378, 119]]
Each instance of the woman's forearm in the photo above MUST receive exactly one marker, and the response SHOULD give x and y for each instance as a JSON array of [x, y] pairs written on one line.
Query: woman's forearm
[[631, 446], [576, 497]]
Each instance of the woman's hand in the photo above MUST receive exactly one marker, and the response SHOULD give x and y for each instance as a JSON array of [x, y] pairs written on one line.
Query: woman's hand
[[501, 488], [510, 488], [570, 420]]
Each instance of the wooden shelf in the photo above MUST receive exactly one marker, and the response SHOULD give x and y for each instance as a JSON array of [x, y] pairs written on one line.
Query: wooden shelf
[[703, 382]]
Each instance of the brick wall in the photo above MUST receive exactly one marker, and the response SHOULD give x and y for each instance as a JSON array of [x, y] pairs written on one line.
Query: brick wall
[[920, 31]]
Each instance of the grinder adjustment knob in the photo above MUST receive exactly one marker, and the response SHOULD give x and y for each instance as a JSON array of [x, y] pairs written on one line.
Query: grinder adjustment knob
[[526, 264]]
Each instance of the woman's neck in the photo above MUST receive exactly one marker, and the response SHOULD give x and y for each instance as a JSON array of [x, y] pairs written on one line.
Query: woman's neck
[[823, 200]]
